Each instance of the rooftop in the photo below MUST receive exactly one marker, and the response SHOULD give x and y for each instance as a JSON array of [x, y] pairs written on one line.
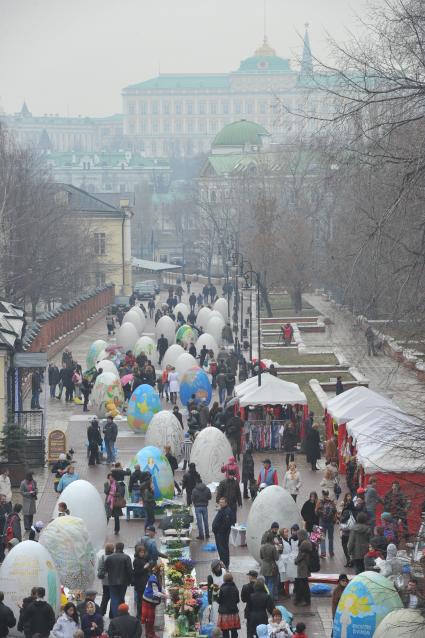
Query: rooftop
[[12, 324], [81, 201], [241, 133]]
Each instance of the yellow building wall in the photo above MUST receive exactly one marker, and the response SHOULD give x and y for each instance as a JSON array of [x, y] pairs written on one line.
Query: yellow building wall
[[111, 263]]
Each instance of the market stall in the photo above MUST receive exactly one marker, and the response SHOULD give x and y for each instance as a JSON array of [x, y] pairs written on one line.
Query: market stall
[[389, 445], [350, 405], [267, 408]]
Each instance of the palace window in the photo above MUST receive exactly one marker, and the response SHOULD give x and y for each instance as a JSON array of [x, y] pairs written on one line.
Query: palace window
[[131, 108], [225, 107], [100, 242], [189, 126], [237, 107], [178, 108], [167, 126], [201, 108], [154, 107], [142, 108], [166, 108], [263, 108], [189, 108], [179, 126], [213, 108], [100, 279], [249, 107]]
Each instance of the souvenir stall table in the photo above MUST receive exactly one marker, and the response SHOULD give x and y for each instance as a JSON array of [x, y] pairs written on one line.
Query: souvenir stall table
[[346, 406], [389, 446], [266, 408]]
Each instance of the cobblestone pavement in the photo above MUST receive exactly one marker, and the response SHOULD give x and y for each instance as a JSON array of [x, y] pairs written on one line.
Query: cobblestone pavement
[[70, 418]]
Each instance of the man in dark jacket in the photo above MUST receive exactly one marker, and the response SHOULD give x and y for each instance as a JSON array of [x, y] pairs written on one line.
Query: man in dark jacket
[[190, 478], [162, 347], [247, 472], [7, 619], [66, 378], [200, 497], [25, 602], [204, 414], [301, 588], [203, 353], [38, 617], [94, 439], [118, 569], [173, 464], [248, 589], [233, 433], [260, 603], [229, 488], [53, 376], [221, 526], [35, 390], [124, 625], [110, 433]]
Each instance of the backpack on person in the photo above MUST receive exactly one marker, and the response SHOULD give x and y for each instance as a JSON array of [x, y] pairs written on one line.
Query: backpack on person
[[9, 528], [314, 559], [328, 512]]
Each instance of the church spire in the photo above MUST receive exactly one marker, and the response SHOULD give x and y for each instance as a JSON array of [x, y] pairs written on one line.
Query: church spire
[[307, 59], [25, 112]]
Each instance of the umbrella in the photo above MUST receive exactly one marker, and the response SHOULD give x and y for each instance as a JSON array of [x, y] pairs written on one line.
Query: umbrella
[[126, 379], [113, 348]]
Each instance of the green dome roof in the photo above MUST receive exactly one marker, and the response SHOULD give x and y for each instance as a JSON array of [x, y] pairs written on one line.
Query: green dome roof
[[240, 133], [264, 64]]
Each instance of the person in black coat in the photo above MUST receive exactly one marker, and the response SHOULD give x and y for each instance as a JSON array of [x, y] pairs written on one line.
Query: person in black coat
[[124, 625], [178, 415], [289, 443], [190, 479], [141, 573], [308, 512], [248, 589], [228, 612], [38, 617], [173, 464], [53, 377], [94, 438], [221, 526], [312, 446], [25, 602], [247, 471], [259, 603], [7, 619]]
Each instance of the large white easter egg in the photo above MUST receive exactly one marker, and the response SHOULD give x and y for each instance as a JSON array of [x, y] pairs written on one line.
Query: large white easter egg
[[181, 307], [401, 623], [221, 307], [165, 429], [107, 396], [171, 356], [184, 363], [106, 365], [84, 501], [140, 313], [68, 542], [215, 328], [203, 317], [272, 504], [144, 345], [210, 451], [208, 341], [95, 349], [127, 336], [167, 327], [134, 317], [29, 565]]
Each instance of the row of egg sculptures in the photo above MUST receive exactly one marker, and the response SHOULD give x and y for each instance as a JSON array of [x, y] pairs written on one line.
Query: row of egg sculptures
[[143, 405], [203, 316], [67, 540], [127, 335], [184, 363], [182, 309], [186, 335], [94, 351], [84, 501], [152, 459], [166, 327], [210, 451], [273, 503], [215, 327], [171, 355], [136, 317], [27, 565], [222, 307], [195, 381], [144, 345], [364, 603], [207, 340], [107, 396], [165, 429]]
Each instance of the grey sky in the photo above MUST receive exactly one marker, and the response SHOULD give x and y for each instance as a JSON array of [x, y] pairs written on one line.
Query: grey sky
[[74, 56]]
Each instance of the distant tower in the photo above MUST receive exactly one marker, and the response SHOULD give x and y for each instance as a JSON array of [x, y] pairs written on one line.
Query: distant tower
[[25, 112], [307, 59]]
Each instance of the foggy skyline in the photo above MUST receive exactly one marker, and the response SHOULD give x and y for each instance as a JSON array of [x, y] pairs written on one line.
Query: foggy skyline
[[75, 58]]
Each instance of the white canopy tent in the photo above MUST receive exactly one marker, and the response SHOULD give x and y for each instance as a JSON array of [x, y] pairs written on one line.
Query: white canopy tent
[[388, 440], [356, 402], [250, 384], [273, 391]]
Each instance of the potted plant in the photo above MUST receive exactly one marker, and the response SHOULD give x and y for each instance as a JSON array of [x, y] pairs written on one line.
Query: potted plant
[[13, 443]]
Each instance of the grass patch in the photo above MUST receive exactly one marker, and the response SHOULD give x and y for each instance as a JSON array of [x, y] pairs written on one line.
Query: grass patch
[[290, 357], [284, 302]]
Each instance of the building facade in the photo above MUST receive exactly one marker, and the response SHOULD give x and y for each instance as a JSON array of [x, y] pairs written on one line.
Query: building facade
[[180, 114]]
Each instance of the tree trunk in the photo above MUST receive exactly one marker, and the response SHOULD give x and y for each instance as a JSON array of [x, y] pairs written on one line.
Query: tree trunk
[[265, 299], [297, 299]]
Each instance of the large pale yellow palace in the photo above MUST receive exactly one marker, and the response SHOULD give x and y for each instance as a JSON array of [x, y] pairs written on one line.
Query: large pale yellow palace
[[180, 114]]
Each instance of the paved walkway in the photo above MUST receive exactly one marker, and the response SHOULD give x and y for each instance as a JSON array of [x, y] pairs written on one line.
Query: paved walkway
[[386, 376], [71, 418]]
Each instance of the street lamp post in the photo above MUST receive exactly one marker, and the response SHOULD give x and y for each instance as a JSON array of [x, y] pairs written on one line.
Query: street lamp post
[[251, 273]]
